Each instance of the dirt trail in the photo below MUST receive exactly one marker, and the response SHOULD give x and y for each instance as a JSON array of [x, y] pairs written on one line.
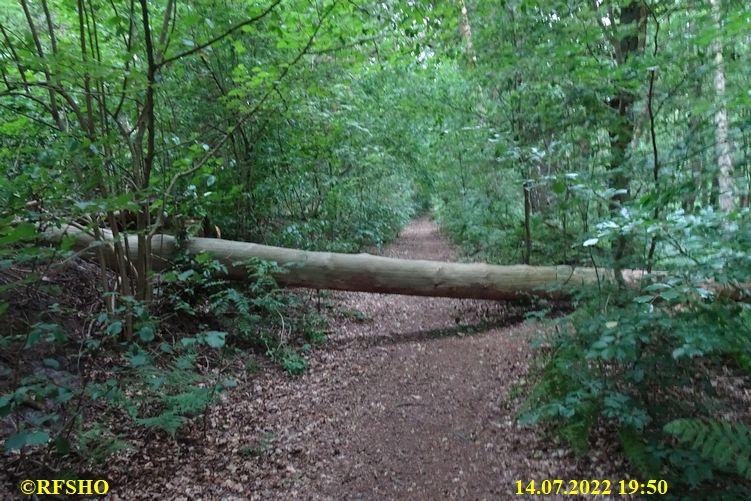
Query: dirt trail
[[408, 399]]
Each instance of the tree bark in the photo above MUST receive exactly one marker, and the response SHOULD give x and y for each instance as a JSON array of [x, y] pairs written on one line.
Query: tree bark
[[466, 31], [368, 273], [621, 129], [724, 160], [527, 224]]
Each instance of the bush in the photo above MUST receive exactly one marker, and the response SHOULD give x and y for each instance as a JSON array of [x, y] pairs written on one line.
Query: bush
[[655, 366]]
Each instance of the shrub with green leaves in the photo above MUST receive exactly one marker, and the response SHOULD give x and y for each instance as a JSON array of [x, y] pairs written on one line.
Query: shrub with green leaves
[[654, 365]]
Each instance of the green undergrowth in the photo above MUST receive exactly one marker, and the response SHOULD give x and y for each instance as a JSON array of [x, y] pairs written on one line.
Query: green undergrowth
[[656, 370], [77, 394]]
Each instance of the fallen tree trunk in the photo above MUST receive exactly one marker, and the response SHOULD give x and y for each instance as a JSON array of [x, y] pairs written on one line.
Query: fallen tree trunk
[[368, 273]]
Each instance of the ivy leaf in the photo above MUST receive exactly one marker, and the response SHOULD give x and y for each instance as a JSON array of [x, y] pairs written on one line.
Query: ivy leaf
[[146, 333], [62, 445], [115, 328], [51, 363], [21, 439], [138, 360], [215, 339], [188, 341]]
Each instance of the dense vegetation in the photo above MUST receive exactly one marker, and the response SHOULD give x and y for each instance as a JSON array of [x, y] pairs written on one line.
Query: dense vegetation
[[613, 134], [622, 126]]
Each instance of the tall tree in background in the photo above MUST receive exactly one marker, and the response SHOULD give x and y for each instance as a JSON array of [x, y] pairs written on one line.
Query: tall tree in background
[[724, 161], [627, 36], [465, 28]]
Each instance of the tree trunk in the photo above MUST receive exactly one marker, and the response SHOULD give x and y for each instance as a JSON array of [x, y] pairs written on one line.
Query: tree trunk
[[527, 225], [725, 174], [621, 130], [365, 272], [466, 31], [368, 273]]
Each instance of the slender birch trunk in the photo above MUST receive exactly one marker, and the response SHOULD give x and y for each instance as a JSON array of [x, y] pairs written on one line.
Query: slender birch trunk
[[724, 160]]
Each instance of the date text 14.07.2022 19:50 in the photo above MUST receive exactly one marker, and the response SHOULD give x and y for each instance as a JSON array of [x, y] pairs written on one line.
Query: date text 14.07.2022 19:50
[[592, 487]]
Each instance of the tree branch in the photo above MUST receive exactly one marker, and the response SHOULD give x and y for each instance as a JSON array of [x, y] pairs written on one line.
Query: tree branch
[[203, 160], [163, 39], [220, 37]]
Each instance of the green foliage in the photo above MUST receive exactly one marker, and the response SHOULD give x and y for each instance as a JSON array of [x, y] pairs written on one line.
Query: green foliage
[[555, 148], [313, 328], [344, 183], [255, 313], [22, 439], [327, 125], [628, 365], [166, 421], [258, 448], [726, 445], [638, 452], [97, 444], [290, 360]]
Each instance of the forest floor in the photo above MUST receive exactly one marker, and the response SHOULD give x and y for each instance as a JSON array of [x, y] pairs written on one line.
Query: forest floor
[[409, 398]]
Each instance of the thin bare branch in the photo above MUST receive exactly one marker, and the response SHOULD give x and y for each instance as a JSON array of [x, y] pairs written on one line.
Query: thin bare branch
[[164, 33]]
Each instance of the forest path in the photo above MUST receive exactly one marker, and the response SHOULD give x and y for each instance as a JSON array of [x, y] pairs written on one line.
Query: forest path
[[408, 399]]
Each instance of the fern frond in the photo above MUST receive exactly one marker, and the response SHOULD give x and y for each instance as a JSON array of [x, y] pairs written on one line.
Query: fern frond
[[726, 445], [221, 302], [167, 421], [188, 403], [636, 451], [99, 443], [577, 436]]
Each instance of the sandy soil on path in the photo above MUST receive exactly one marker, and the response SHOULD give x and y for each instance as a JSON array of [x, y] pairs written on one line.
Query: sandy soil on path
[[408, 399]]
